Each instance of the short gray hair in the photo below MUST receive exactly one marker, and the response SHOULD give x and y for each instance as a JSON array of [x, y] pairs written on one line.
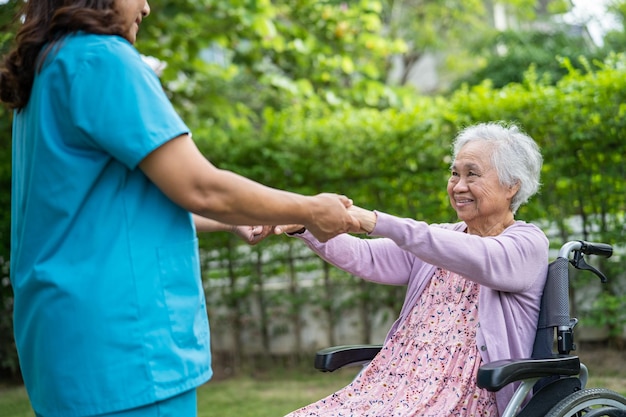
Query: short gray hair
[[515, 156]]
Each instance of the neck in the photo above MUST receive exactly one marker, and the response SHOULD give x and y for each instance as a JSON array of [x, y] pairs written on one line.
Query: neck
[[491, 228]]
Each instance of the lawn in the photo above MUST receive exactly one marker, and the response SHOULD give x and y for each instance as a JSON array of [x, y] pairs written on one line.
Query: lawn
[[279, 392], [266, 396]]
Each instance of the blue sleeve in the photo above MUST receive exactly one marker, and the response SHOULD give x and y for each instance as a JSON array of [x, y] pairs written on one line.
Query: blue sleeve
[[119, 105]]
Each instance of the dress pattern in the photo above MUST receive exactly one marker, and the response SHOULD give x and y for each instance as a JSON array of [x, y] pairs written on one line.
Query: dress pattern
[[427, 368]]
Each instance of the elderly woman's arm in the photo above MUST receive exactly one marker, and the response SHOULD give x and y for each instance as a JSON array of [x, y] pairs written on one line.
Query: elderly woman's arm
[[376, 260], [512, 261]]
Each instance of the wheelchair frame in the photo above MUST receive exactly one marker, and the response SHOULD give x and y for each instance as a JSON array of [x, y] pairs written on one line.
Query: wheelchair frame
[[558, 379]]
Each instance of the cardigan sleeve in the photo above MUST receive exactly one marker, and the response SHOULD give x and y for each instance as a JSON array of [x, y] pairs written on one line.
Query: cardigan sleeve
[[509, 262], [376, 260]]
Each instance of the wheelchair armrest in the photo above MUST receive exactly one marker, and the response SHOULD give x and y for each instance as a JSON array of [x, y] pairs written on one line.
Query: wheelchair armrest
[[495, 375], [336, 357]]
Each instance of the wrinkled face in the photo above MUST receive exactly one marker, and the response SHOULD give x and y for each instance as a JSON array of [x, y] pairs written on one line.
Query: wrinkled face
[[132, 12], [474, 188]]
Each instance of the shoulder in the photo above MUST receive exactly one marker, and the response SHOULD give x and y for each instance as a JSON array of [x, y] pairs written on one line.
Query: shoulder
[[528, 234], [521, 226], [98, 44], [99, 51], [102, 62]]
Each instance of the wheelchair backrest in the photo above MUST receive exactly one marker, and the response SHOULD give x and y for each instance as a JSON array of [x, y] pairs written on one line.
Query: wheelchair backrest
[[554, 310], [554, 313]]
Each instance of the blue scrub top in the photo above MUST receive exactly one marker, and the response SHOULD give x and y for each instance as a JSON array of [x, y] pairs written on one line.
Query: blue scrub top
[[109, 306]]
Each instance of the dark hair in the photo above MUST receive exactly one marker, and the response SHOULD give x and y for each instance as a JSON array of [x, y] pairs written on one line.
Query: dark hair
[[46, 22]]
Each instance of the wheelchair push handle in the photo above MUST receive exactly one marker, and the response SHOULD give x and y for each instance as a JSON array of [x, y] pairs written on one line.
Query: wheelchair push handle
[[601, 249], [588, 248], [581, 248]]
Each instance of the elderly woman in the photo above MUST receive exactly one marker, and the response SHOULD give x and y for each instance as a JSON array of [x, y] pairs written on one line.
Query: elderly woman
[[474, 287]]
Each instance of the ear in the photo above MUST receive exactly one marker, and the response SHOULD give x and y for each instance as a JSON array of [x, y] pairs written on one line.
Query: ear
[[513, 189]]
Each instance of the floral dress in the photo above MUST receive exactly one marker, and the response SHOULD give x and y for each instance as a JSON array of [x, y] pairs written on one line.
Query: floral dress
[[427, 368]]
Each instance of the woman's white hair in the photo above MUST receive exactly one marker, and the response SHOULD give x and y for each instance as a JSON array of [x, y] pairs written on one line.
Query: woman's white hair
[[514, 155]]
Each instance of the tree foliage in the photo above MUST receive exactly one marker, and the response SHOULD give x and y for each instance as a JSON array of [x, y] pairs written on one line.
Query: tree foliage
[[510, 54], [240, 57], [450, 29], [506, 56]]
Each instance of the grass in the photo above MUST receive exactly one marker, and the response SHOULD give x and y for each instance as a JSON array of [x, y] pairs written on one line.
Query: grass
[[266, 396], [276, 393]]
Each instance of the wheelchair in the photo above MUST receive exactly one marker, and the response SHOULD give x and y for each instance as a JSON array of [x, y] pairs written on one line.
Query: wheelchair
[[553, 378]]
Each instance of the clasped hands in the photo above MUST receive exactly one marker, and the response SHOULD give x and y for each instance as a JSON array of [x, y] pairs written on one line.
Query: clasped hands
[[366, 219]]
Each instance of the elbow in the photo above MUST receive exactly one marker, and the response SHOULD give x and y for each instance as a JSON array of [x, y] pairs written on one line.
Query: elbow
[[207, 205]]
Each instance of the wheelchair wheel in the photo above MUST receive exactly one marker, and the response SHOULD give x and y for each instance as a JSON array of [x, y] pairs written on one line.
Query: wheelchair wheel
[[592, 402]]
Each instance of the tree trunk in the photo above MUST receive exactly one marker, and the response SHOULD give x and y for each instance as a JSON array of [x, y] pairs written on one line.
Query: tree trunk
[[294, 299], [364, 312], [263, 316], [328, 305], [235, 310]]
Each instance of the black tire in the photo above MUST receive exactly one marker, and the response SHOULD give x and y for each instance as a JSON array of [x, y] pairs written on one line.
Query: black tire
[[590, 402]]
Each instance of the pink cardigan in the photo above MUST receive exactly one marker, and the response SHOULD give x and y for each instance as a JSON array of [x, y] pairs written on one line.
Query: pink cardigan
[[511, 269]]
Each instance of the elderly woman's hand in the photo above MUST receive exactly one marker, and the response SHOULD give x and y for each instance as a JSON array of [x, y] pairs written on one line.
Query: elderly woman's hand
[[252, 234], [367, 218]]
